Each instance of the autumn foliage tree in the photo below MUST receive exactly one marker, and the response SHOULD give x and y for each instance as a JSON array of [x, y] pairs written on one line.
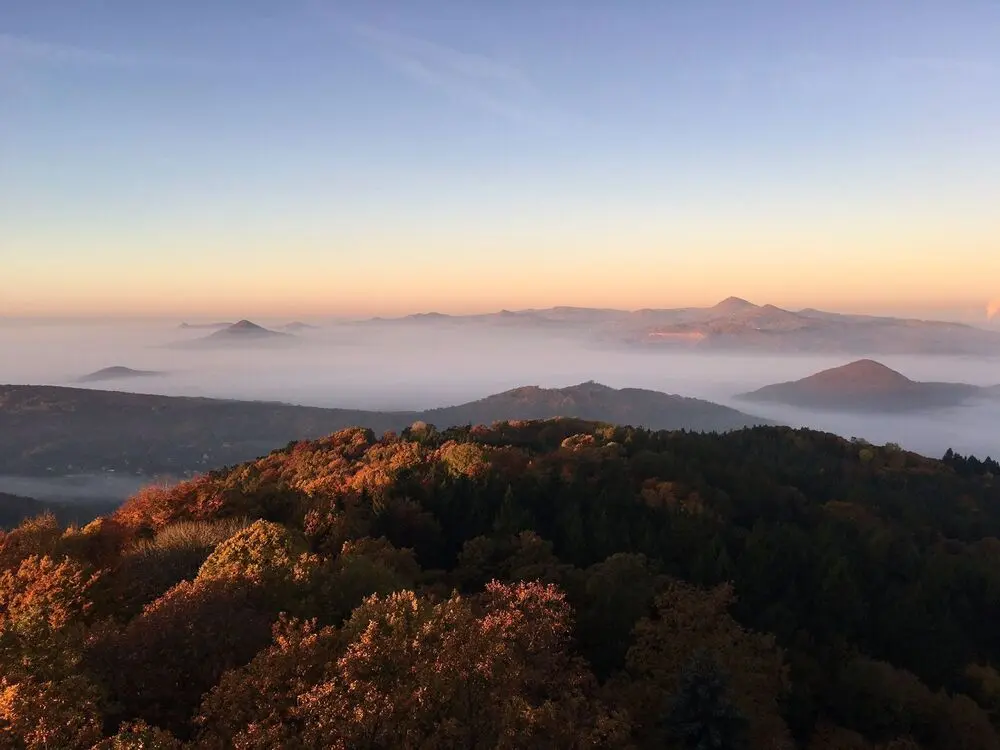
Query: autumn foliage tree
[[138, 735], [159, 665], [255, 706], [493, 671], [39, 536], [43, 609], [447, 675], [37, 715], [45, 700]]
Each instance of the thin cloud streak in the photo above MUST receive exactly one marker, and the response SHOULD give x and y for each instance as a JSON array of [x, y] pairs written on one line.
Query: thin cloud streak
[[20, 51], [25, 50], [477, 79]]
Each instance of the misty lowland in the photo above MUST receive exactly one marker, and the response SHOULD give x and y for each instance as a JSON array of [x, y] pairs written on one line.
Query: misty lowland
[[96, 410], [393, 375]]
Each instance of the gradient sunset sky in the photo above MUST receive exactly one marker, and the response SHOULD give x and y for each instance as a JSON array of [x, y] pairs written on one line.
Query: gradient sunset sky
[[241, 157]]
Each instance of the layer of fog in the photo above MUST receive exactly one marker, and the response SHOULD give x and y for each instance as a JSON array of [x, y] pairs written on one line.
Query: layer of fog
[[416, 366], [73, 488]]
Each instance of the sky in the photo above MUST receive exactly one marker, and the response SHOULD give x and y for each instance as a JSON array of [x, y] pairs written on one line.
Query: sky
[[368, 157]]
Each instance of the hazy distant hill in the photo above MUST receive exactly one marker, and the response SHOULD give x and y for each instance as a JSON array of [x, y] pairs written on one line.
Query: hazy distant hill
[[296, 325], [14, 508], [241, 334], [865, 385], [244, 329], [738, 325], [47, 429], [204, 325], [118, 372]]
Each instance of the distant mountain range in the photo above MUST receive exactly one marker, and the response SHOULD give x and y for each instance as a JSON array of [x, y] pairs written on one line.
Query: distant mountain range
[[48, 430], [736, 324], [868, 386], [117, 372], [241, 334], [731, 325]]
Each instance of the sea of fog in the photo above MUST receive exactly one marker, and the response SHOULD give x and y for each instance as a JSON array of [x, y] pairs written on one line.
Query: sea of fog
[[398, 366]]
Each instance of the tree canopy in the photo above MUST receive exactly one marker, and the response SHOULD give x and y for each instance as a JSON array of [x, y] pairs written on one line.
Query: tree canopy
[[555, 584]]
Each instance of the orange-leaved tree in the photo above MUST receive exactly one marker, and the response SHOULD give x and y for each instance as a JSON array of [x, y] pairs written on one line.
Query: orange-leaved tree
[[138, 735], [254, 707], [43, 611], [164, 660], [45, 699], [41, 714], [494, 671]]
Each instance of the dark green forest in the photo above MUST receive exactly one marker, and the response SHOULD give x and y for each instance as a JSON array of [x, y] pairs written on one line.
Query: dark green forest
[[554, 584]]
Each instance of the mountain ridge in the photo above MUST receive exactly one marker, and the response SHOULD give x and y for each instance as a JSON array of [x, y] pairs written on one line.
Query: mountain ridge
[[738, 324], [44, 428]]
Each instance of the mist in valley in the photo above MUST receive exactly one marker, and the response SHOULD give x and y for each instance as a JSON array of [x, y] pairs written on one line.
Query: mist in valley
[[76, 487], [420, 365]]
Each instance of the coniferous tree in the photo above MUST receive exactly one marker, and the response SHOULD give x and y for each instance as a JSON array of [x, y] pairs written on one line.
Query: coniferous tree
[[702, 717]]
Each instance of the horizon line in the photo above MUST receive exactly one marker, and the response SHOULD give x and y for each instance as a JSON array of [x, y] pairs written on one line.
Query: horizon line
[[199, 317]]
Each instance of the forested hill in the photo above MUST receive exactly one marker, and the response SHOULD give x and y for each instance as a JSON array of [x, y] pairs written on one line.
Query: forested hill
[[50, 430], [550, 584]]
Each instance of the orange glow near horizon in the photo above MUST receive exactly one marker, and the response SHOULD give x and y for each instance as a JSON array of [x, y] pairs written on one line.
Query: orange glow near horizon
[[398, 291], [455, 272], [396, 297]]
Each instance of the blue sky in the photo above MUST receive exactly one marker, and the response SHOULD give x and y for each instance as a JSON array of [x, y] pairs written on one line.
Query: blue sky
[[381, 157]]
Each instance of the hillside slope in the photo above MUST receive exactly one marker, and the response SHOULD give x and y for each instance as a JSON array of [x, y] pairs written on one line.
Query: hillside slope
[[553, 584]]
